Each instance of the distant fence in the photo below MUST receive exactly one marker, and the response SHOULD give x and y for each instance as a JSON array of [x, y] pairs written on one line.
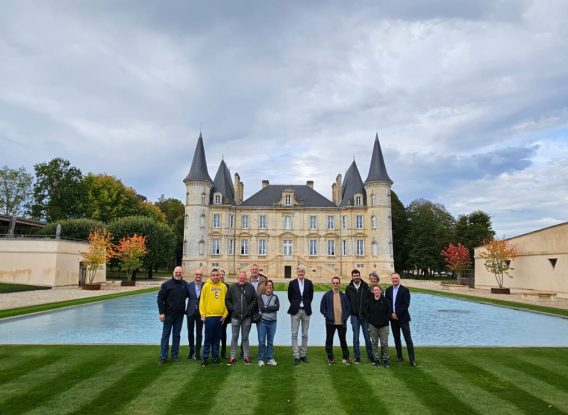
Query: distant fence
[[466, 277]]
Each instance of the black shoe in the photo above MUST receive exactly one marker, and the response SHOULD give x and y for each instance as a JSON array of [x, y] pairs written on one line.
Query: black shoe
[[304, 359], [377, 364], [399, 360], [386, 363], [163, 361], [296, 362], [216, 360], [412, 363], [197, 356], [357, 360], [191, 356], [204, 363]]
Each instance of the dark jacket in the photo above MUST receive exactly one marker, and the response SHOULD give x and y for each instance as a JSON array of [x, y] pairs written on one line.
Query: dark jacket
[[326, 307], [193, 300], [402, 303], [171, 297], [241, 300], [377, 312], [295, 297], [358, 297]]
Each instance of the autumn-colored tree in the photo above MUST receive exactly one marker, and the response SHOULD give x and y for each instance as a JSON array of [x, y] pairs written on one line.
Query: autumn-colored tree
[[456, 257], [129, 252], [498, 254], [99, 252]]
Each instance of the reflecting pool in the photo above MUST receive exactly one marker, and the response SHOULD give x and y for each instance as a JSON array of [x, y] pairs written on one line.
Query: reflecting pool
[[436, 321]]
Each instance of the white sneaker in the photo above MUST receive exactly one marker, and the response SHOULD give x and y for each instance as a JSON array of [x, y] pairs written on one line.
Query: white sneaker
[[260, 363], [272, 362]]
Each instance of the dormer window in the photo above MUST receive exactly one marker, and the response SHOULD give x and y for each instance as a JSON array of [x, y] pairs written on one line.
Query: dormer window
[[288, 200], [217, 199], [358, 200]]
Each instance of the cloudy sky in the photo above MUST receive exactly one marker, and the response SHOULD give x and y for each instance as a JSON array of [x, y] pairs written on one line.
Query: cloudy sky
[[470, 99]]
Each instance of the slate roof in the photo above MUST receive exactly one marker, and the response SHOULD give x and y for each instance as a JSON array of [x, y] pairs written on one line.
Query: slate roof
[[223, 184], [377, 169], [352, 184], [198, 170], [272, 194]]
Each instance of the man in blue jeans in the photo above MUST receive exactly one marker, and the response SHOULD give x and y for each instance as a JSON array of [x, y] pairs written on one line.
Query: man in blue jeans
[[358, 293], [171, 305]]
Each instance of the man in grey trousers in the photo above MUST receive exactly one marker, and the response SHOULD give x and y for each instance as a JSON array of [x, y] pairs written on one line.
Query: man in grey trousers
[[241, 301], [300, 295]]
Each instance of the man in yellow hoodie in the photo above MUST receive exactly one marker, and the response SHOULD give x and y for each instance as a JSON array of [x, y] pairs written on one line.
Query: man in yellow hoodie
[[213, 313]]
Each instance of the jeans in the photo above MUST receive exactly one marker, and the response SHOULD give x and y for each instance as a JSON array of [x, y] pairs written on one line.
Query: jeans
[[266, 331], [194, 333], [382, 334], [242, 326], [212, 336], [171, 323], [358, 323], [300, 317], [396, 327], [329, 333]]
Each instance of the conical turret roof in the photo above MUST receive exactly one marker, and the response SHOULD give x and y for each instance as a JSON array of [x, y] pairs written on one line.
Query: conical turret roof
[[223, 184], [352, 184], [198, 170], [377, 169]]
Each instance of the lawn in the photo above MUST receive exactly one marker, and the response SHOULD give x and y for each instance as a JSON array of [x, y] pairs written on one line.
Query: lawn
[[127, 379], [14, 288]]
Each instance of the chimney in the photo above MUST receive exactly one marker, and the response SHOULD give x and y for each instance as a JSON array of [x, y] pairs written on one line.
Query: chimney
[[310, 183], [238, 198], [265, 183]]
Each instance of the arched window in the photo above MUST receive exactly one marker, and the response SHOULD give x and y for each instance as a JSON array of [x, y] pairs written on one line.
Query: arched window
[[373, 200]]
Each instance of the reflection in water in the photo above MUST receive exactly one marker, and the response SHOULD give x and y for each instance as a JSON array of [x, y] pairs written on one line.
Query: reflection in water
[[435, 321]]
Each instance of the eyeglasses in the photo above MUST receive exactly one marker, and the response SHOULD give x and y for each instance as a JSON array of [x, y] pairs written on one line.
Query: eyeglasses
[[335, 283]]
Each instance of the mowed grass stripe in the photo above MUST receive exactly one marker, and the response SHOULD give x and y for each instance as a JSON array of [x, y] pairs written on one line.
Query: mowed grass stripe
[[124, 389], [439, 365], [199, 391], [437, 396], [353, 390], [551, 377], [238, 394], [480, 372], [11, 374], [558, 364], [173, 380], [389, 390], [81, 392], [276, 390], [314, 392], [555, 401], [39, 393]]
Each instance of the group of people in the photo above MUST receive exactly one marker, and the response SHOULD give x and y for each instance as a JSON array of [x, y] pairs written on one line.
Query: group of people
[[210, 306]]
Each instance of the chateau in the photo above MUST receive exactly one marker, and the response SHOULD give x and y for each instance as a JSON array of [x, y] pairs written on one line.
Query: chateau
[[282, 226]]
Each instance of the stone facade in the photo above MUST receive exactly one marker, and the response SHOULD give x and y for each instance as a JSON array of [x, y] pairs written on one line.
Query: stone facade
[[282, 226]]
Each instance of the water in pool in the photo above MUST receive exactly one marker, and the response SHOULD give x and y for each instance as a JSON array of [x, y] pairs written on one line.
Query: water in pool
[[436, 321]]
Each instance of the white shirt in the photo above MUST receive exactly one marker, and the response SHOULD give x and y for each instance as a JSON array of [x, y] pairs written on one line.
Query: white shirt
[[301, 285], [394, 294]]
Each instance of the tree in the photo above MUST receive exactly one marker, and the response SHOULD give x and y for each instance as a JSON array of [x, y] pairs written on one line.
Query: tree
[[15, 191], [400, 229], [149, 209], [473, 230], [498, 254], [174, 211], [129, 252], [72, 228], [430, 230], [160, 239], [457, 258], [58, 191], [99, 252], [106, 198]]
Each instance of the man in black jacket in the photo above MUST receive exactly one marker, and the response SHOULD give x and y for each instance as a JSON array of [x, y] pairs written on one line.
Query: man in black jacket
[[358, 293], [241, 301], [300, 295], [399, 299], [194, 323], [171, 304]]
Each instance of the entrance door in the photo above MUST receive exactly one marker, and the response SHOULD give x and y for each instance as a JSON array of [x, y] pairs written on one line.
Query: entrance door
[[287, 271], [82, 273]]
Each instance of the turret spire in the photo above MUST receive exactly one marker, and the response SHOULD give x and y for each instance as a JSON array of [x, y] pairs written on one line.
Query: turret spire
[[198, 170], [377, 169]]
